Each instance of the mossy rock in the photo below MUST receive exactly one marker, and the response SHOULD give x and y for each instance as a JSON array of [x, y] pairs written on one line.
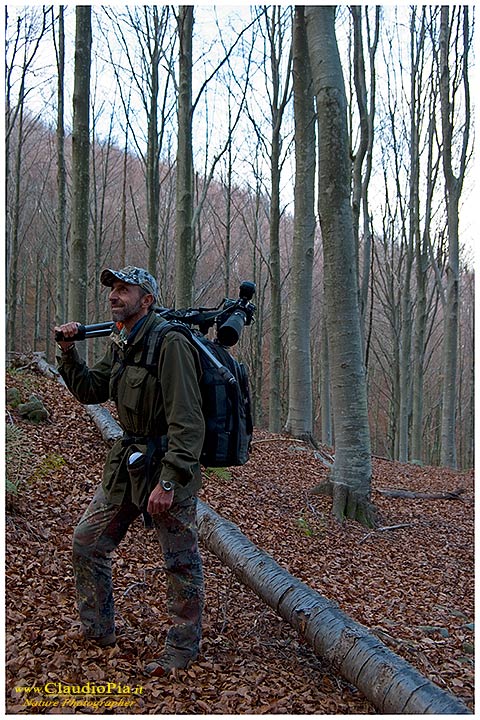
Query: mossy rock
[[13, 397], [33, 410]]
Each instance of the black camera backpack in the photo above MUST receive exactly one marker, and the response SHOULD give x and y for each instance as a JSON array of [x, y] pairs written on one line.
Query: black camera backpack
[[225, 397]]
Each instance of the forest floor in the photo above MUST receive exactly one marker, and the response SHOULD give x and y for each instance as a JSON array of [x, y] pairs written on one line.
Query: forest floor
[[412, 586]]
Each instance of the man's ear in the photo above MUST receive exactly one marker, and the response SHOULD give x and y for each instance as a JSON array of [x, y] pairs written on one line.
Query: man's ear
[[148, 300]]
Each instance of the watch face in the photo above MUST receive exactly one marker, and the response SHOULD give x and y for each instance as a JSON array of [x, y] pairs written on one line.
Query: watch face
[[167, 485]]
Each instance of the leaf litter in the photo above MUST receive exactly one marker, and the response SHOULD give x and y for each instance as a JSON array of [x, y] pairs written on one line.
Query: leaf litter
[[412, 586]]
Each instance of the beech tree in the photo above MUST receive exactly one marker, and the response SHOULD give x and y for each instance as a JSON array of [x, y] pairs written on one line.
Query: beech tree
[[278, 99], [78, 260], [423, 243], [184, 206], [362, 164], [61, 295], [411, 233], [454, 42], [300, 414], [351, 473]]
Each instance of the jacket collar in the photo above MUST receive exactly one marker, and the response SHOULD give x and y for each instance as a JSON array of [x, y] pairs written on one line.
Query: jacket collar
[[124, 341]]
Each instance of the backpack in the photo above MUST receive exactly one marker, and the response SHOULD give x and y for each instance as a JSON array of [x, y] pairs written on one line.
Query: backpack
[[225, 396]]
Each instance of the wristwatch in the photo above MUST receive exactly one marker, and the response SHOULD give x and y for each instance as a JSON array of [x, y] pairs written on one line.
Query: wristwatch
[[167, 485]]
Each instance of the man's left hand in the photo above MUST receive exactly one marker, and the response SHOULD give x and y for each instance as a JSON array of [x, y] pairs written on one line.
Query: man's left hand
[[160, 501]]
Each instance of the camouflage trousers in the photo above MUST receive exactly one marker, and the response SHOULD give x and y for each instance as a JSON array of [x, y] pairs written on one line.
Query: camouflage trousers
[[99, 532]]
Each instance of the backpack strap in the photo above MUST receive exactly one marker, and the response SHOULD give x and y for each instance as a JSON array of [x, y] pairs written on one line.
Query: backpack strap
[[153, 344]]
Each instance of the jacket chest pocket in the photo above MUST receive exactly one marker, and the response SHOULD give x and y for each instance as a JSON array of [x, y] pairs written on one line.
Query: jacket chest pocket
[[134, 390]]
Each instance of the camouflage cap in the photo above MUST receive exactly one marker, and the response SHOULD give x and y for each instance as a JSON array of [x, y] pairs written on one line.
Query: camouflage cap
[[132, 276]]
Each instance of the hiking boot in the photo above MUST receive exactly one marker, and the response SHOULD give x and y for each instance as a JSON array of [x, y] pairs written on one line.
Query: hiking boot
[[109, 640], [166, 663], [104, 641]]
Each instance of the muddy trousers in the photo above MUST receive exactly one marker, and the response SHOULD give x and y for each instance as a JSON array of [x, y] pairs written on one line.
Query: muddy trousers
[[99, 532]]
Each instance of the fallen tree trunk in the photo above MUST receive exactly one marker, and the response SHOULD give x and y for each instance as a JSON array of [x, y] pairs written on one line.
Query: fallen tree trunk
[[411, 495], [110, 430], [391, 684]]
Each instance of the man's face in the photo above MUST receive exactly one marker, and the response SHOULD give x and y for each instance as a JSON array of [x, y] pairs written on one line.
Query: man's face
[[128, 303]]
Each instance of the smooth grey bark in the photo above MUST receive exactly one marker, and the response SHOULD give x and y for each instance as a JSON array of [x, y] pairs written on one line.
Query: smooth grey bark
[[453, 186], [278, 101], [391, 684], [466, 400], [228, 209], [362, 165], [351, 474], [300, 413], [78, 260], [421, 313], [184, 260], [325, 387], [38, 302], [417, 41], [123, 233], [61, 293], [153, 160], [13, 242]]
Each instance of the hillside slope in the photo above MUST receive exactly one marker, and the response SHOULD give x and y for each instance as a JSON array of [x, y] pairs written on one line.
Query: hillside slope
[[412, 585]]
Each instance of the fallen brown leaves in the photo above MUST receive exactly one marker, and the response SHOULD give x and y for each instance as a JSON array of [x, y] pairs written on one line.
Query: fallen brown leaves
[[413, 586]]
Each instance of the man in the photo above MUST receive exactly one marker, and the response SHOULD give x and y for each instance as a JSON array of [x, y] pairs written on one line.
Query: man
[[163, 431]]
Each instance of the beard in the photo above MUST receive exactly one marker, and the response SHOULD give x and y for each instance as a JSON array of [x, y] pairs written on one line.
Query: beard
[[124, 311]]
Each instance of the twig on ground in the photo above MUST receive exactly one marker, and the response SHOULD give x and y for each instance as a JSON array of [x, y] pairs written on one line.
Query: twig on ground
[[386, 528]]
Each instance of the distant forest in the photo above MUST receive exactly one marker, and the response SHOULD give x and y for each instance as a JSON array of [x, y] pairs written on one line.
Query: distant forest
[[403, 242]]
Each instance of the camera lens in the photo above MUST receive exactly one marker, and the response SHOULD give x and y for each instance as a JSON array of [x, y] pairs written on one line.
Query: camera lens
[[229, 333]]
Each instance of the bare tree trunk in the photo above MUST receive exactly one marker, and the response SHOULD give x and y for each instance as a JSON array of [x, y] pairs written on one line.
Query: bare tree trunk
[[123, 234], [61, 295], [278, 103], [228, 209], [351, 474], [260, 273], [184, 211], [300, 414], [421, 267], [275, 403], [78, 265], [453, 186], [38, 304], [325, 387], [362, 166], [416, 115], [152, 168], [13, 249]]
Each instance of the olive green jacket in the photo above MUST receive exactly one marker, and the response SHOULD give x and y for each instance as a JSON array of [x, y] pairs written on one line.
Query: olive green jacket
[[148, 406]]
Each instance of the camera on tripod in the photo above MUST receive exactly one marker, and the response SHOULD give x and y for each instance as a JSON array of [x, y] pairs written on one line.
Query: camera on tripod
[[229, 318]]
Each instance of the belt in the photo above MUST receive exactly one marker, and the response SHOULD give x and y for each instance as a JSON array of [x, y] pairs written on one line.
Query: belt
[[159, 442]]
